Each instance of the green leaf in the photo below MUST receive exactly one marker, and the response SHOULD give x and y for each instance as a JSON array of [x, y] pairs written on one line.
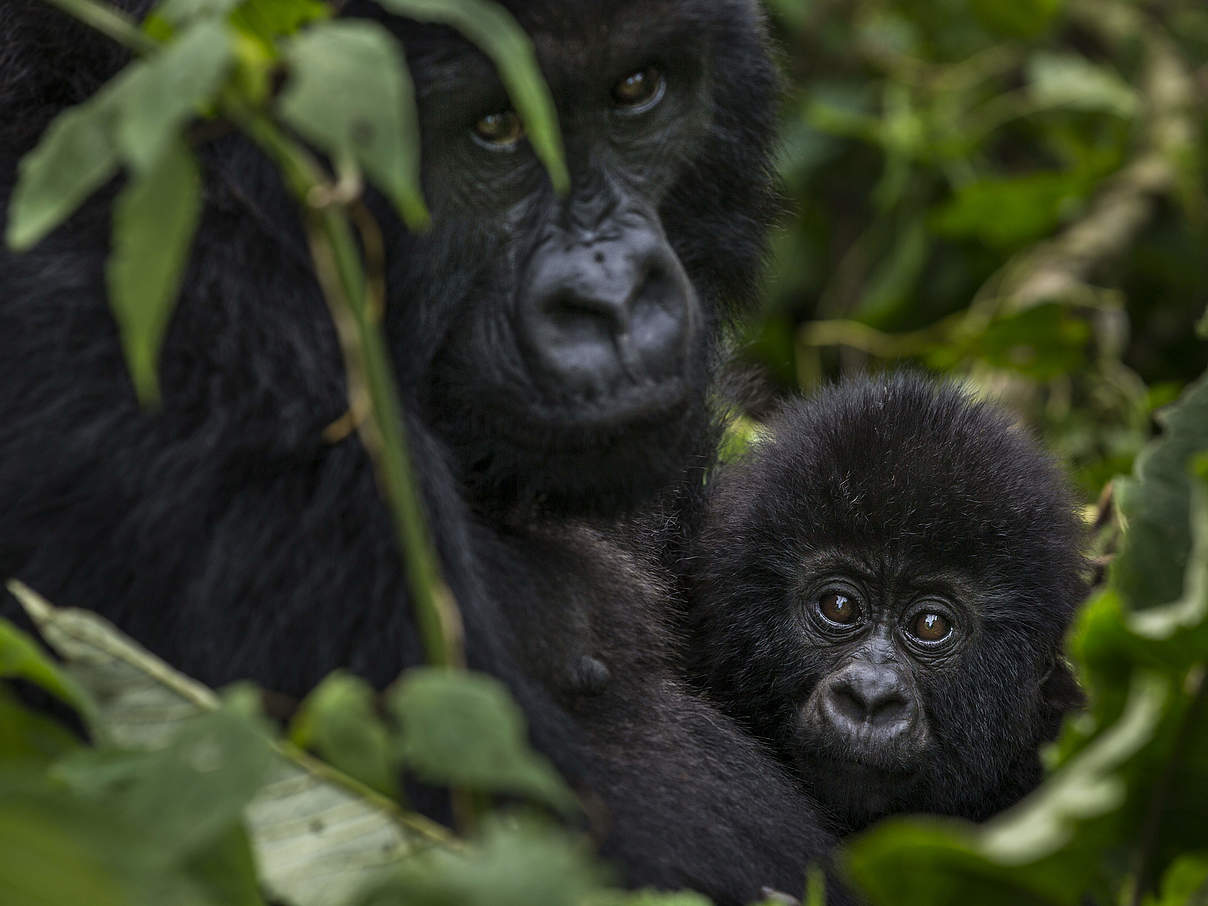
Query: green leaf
[[349, 92], [170, 88], [1019, 18], [154, 219], [190, 792], [75, 156], [21, 657], [1154, 505], [1003, 213], [181, 12], [318, 837], [496, 33], [339, 722], [59, 850], [464, 730], [26, 735], [1069, 80], [513, 863]]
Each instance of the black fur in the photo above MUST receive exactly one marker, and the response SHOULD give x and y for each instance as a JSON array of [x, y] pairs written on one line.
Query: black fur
[[222, 532], [895, 491]]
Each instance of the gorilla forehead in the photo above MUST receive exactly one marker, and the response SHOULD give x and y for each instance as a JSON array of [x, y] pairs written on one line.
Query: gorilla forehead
[[589, 36], [914, 475]]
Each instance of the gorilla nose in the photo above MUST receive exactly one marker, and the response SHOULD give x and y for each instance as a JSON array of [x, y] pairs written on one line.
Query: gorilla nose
[[866, 697], [599, 317]]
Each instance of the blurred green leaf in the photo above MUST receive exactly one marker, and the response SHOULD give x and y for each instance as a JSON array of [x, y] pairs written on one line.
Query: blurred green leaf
[[1069, 80], [162, 93], [21, 657], [1153, 505], [349, 92], [1019, 18], [339, 722], [182, 12], [1003, 213], [512, 863], [1185, 884], [26, 735], [75, 156], [495, 32], [57, 849], [464, 730], [154, 219], [191, 792]]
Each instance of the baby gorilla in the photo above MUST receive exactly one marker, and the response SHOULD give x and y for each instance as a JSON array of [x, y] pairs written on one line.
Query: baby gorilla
[[880, 590]]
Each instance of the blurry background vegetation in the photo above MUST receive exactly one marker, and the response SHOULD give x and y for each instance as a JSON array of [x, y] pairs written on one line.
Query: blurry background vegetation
[[1008, 190]]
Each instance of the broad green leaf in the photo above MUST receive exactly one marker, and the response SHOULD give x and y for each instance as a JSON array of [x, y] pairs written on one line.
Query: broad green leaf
[[21, 657], [495, 32], [512, 863], [317, 836], [1002, 213], [190, 792], [1069, 80], [349, 92], [1154, 505], [59, 850], [154, 219], [163, 93], [227, 870], [338, 721], [463, 729], [26, 735], [75, 156]]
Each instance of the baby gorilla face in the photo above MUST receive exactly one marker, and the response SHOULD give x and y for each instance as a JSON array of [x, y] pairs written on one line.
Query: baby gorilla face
[[881, 591], [878, 657]]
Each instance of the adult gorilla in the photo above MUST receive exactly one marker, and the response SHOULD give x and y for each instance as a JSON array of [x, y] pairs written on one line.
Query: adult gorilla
[[552, 354]]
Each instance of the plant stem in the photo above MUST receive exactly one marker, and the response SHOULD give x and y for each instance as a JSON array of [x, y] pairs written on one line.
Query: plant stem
[[371, 387], [110, 22]]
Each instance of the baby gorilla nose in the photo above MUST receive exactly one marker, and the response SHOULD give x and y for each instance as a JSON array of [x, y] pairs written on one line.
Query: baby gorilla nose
[[608, 318], [867, 699]]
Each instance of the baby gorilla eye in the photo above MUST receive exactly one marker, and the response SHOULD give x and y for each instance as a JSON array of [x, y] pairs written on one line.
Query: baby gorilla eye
[[838, 608], [500, 130], [640, 90], [930, 626]]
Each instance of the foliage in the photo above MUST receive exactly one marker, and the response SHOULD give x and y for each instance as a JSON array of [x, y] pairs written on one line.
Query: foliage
[[997, 191], [956, 165]]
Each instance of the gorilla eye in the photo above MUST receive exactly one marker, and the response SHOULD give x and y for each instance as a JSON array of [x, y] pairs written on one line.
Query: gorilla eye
[[838, 608], [640, 90], [930, 626], [499, 130]]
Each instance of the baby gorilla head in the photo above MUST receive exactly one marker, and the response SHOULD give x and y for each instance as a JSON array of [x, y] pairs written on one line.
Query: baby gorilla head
[[881, 590]]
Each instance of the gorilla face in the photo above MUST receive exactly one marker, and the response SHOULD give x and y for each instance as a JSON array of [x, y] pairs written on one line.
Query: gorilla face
[[882, 591], [578, 327]]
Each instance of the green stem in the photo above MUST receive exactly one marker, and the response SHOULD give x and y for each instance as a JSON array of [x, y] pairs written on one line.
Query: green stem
[[371, 386], [110, 22]]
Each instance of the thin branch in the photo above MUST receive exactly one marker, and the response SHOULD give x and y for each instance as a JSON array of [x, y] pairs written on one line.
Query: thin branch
[[112, 23]]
